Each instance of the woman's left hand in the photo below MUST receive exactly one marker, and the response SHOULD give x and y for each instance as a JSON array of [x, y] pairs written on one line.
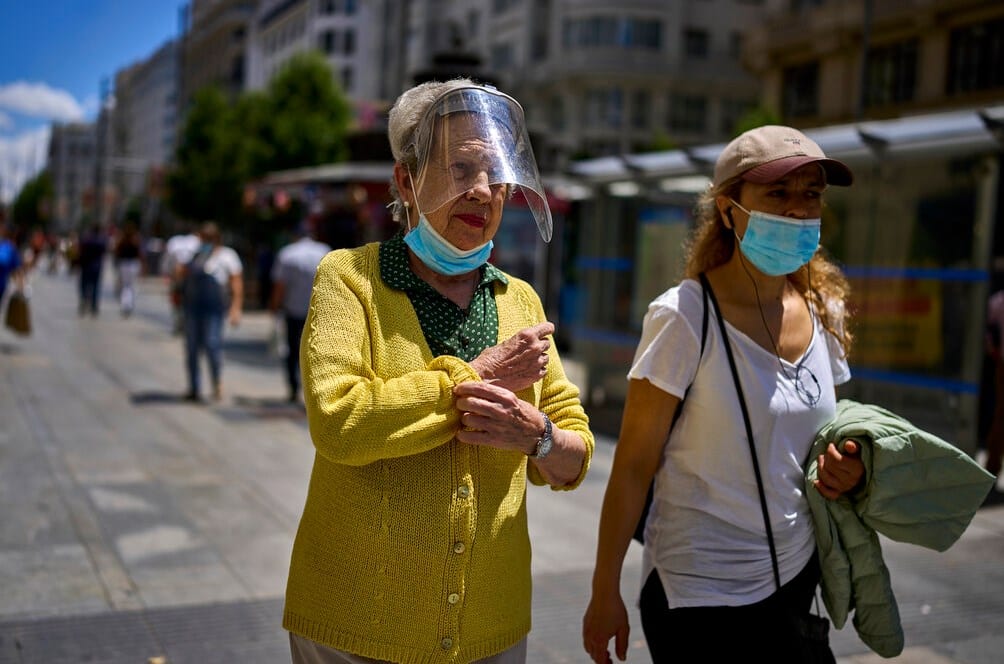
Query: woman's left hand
[[839, 472], [494, 416]]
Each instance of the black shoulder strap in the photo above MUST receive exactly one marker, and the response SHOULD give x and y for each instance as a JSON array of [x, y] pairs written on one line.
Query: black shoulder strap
[[749, 429]]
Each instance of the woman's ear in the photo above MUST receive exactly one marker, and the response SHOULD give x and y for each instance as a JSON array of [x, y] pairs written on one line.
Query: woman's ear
[[724, 206], [403, 181]]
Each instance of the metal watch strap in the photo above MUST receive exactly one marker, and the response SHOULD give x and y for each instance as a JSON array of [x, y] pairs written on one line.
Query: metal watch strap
[[546, 441]]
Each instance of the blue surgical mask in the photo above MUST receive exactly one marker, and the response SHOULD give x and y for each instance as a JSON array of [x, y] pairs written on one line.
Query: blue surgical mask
[[440, 255], [778, 245]]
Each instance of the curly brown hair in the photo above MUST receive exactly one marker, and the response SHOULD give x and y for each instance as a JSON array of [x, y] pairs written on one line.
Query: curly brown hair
[[821, 282]]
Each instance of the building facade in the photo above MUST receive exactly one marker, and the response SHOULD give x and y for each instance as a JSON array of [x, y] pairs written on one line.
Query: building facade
[[356, 37], [213, 47], [832, 61], [599, 78], [71, 164], [143, 131]]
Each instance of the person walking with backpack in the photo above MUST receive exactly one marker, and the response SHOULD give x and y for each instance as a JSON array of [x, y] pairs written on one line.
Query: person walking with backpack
[[211, 287]]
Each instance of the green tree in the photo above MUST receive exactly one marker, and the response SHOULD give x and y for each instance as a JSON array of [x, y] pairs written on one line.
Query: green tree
[[301, 119], [757, 116], [207, 179], [308, 115], [32, 206]]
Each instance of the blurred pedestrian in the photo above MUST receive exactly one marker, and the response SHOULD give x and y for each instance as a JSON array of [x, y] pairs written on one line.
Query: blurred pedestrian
[[128, 255], [730, 565], [995, 348], [413, 545], [292, 283], [91, 259], [212, 286], [10, 260], [178, 251]]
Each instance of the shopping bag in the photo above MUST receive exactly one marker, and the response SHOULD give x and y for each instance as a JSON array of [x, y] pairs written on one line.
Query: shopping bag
[[277, 346], [18, 318]]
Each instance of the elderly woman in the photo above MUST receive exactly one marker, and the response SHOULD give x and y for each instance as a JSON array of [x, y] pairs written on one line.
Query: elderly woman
[[433, 392], [730, 565]]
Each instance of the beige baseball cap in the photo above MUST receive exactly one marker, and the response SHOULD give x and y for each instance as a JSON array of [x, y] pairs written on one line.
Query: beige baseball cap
[[768, 153]]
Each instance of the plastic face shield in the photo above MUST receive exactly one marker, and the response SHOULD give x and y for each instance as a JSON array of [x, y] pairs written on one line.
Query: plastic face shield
[[475, 136]]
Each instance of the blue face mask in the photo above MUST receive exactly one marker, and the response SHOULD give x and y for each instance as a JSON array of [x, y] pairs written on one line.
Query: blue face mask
[[778, 245], [440, 255]]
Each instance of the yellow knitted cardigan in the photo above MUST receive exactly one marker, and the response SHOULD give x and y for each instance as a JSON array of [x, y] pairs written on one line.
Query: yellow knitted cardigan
[[412, 547]]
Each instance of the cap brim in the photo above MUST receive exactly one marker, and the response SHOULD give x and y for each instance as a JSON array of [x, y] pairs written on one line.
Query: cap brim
[[837, 172]]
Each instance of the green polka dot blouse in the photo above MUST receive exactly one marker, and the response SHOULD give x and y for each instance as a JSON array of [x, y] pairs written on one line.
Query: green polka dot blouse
[[448, 329]]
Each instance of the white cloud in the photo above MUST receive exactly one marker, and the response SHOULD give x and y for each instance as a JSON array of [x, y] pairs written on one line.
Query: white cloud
[[5, 121], [40, 100], [21, 158]]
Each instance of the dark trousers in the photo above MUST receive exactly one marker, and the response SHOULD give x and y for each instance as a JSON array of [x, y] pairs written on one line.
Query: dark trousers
[[728, 633], [294, 330], [90, 288]]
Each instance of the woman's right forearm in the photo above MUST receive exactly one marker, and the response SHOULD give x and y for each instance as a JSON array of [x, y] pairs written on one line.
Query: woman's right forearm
[[622, 507]]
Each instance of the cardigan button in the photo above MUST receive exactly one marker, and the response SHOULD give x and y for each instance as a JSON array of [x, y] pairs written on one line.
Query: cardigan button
[[446, 643], [463, 491], [458, 547], [453, 598]]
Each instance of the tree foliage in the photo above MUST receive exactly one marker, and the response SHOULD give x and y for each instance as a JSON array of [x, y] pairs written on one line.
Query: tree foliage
[[33, 205], [301, 119], [757, 116]]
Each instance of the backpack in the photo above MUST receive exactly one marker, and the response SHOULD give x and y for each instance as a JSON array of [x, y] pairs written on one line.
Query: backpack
[[200, 291]]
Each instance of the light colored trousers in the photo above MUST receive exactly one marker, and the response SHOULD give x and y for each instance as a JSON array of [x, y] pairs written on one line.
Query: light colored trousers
[[129, 270], [305, 651]]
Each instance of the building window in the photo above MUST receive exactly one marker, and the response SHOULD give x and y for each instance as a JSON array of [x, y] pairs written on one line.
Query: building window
[[329, 41], [349, 42], [891, 74], [347, 79], [731, 112], [500, 6], [604, 107], [688, 113], [735, 45], [502, 56], [695, 43], [800, 91], [556, 114], [975, 56], [641, 104], [347, 7], [612, 32]]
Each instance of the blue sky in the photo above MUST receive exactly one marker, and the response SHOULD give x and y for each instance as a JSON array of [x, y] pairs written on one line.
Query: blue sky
[[53, 56]]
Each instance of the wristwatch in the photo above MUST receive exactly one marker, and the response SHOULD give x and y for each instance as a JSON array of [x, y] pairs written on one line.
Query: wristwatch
[[545, 442]]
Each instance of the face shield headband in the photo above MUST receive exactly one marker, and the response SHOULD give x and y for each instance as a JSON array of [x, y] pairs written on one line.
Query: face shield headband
[[471, 137]]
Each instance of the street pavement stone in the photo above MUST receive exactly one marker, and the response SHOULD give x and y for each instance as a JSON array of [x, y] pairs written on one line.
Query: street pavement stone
[[137, 525]]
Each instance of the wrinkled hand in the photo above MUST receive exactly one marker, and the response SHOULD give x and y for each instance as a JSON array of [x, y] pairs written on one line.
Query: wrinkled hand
[[517, 362], [839, 472], [492, 415], [605, 619]]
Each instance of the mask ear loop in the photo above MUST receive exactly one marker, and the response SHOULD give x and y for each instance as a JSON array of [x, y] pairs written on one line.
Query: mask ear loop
[[407, 205]]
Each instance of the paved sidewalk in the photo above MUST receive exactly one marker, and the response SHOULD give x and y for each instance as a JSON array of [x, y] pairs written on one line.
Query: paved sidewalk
[[136, 525]]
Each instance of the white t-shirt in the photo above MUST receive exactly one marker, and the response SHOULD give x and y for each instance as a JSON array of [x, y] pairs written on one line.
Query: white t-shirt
[[705, 534], [222, 264], [294, 267], [178, 250]]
